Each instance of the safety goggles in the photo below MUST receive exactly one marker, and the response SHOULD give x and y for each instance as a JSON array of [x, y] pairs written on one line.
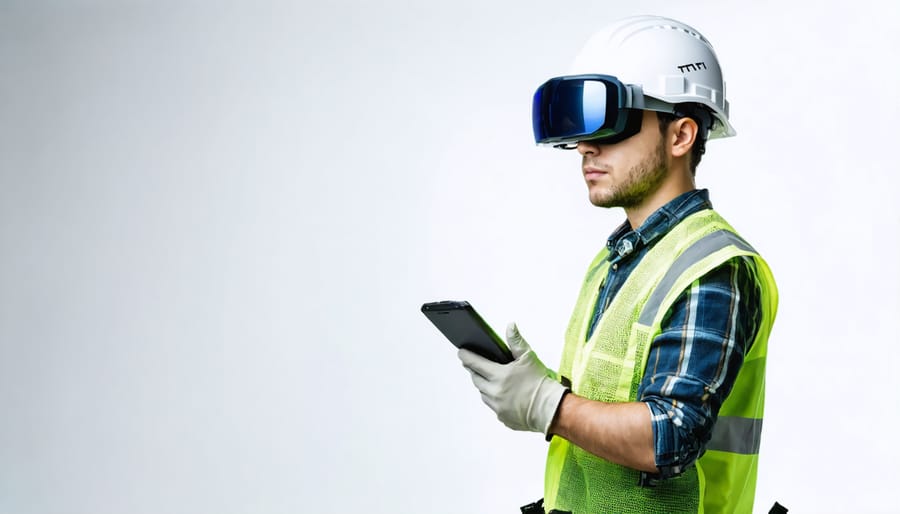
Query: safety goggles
[[576, 108]]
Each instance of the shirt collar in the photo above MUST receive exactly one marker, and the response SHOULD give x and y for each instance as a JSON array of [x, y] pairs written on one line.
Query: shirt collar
[[624, 241]]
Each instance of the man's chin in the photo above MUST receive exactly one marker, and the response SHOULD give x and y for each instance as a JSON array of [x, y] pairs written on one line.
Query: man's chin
[[602, 201]]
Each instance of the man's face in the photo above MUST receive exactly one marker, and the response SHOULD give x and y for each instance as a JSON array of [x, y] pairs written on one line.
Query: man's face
[[623, 174]]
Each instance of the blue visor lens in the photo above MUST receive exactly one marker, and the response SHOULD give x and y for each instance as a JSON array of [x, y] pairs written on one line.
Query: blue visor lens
[[567, 109]]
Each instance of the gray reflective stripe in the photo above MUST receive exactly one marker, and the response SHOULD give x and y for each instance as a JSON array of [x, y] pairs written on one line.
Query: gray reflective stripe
[[595, 269], [704, 247], [736, 435]]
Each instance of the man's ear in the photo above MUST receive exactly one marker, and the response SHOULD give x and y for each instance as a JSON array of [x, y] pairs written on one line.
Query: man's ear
[[682, 134]]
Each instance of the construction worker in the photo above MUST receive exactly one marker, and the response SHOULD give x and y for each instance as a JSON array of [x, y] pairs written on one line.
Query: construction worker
[[657, 405]]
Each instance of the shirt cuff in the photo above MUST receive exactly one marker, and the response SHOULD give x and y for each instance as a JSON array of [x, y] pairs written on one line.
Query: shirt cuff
[[674, 450]]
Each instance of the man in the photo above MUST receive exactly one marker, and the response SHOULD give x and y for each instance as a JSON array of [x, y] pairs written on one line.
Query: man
[[657, 405]]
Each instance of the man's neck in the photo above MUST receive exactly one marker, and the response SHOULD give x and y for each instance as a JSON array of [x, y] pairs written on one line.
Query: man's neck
[[667, 192]]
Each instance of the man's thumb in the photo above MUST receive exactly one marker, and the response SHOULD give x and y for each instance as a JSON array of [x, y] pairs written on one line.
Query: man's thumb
[[517, 345]]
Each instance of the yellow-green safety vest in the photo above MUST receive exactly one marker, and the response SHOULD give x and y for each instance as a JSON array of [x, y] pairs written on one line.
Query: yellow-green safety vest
[[610, 365]]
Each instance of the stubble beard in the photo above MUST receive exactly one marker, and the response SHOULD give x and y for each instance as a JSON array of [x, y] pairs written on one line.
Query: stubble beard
[[642, 180]]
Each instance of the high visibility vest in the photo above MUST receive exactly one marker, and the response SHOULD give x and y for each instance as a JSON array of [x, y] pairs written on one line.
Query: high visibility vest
[[610, 365]]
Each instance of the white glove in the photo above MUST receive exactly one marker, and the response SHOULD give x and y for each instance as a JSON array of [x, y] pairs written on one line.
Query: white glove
[[523, 393]]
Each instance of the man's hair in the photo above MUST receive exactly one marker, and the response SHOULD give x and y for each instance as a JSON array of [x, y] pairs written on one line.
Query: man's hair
[[704, 121]]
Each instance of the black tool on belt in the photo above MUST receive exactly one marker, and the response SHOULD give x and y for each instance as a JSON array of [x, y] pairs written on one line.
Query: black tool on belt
[[538, 508], [778, 509]]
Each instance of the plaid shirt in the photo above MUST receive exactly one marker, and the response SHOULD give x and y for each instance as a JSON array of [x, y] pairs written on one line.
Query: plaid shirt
[[693, 363]]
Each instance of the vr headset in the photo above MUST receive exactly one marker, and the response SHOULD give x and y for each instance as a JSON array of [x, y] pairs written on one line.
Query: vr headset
[[598, 108]]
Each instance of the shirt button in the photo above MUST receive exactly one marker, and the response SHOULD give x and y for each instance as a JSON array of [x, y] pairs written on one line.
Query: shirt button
[[615, 266]]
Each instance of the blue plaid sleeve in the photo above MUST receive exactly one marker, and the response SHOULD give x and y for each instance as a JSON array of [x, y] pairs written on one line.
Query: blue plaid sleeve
[[693, 362]]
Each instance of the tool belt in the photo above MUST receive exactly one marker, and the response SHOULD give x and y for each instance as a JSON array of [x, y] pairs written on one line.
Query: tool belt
[[538, 508]]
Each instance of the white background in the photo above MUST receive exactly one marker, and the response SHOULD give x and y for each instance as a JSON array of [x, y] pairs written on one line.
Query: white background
[[218, 221]]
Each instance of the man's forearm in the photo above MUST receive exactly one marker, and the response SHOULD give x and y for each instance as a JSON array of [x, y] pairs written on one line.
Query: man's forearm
[[618, 432]]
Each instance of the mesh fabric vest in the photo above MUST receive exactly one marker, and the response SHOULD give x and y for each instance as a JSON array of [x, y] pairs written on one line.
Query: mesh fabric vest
[[610, 365]]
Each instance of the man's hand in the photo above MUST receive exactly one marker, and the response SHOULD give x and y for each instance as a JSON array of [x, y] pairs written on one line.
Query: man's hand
[[523, 393]]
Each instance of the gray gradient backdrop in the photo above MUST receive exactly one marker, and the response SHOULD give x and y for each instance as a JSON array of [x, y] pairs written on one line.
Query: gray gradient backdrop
[[219, 219]]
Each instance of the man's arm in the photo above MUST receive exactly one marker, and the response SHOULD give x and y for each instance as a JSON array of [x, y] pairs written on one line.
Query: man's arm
[[691, 368], [618, 432]]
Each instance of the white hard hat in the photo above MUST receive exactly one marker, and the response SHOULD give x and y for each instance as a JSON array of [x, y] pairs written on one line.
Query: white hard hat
[[668, 59]]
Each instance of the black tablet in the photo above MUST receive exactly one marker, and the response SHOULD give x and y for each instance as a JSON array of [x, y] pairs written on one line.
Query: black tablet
[[459, 322]]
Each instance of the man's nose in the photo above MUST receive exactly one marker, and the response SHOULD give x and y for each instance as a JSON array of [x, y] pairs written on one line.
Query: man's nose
[[587, 148]]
